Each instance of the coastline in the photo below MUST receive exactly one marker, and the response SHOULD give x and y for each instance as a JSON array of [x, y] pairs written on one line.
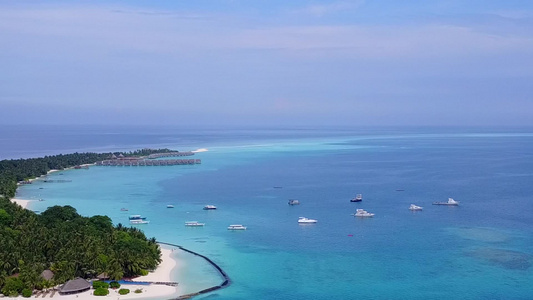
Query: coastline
[[57, 170], [163, 272], [24, 203], [153, 291]]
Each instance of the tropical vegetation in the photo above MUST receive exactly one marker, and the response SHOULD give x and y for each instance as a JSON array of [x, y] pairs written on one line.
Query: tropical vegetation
[[123, 291], [101, 292], [61, 240]]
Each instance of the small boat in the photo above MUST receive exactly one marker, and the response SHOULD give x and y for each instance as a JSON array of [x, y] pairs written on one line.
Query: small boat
[[357, 198], [236, 227], [209, 207], [415, 207], [294, 202], [123, 209], [194, 224], [137, 217], [362, 213], [170, 206], [450, 202], [138, 222], [304, 220]]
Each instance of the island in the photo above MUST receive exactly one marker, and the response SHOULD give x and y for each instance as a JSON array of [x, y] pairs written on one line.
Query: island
[[59, 246]]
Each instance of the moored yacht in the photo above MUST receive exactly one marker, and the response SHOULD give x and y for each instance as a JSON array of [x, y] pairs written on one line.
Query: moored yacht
[[170, 206], [450, 202], [415, 207], [236, 227], [209, 207], [294, 202], [362, 213], [357, 198], [137, 217], [194, 224], [304, 220]]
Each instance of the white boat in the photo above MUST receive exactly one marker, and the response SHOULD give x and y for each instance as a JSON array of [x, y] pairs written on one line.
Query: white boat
[[304, 220], [357, 198], [294, 202], [138, 222], [194, 224], [415, 207], [362, 213], [450, 202], [123, 209], [137, 217], [209, 207], [236, 227], [170, 206]]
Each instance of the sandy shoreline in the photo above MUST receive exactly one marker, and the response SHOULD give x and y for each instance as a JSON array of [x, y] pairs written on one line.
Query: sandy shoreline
[[162, 273], [155, 291], [22, 202]]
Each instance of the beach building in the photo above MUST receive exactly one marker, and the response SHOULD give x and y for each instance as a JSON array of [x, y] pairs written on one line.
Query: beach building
[[103, 276], [75, 286]]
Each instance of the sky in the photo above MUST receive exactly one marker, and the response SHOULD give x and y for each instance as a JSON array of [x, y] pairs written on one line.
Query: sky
[[273, 63]]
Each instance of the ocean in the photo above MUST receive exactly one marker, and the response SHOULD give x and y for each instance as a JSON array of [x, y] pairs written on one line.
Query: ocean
[[481, 249]]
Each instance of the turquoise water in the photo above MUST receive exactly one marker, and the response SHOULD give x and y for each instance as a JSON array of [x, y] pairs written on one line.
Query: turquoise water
[[482, 249]]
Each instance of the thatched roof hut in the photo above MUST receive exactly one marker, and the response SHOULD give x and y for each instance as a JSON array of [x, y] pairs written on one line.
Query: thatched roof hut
[[103, 276], [47, 275], [75, 286]]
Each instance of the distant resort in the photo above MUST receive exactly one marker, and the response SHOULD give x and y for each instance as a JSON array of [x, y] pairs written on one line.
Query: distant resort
[[150, 160]]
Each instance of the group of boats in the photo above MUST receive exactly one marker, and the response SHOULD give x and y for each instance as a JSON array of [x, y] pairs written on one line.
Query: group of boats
[[361, 213], [413, 207], [138, 219]]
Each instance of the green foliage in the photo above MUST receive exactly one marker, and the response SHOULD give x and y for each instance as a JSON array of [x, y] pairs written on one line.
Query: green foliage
[[114, 285], [101, 291], [123, 291], [60, 239], [100, 284], [5, 218], [26, 293], [138, 291], [12, 286], [144, 272]]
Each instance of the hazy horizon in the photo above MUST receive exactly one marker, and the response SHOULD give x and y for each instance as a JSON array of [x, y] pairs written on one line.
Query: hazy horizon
[[267, 63]]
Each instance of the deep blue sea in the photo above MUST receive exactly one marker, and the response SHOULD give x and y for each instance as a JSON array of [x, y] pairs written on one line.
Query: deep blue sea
[[482, 249]]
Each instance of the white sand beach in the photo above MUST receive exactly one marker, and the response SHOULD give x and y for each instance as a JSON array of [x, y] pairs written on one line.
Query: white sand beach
[[163, 271], [153, 291], [22, 202]]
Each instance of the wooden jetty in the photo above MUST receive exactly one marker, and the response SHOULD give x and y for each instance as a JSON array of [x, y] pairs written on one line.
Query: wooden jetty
[[150, 160], [140, 162], [169, 154]]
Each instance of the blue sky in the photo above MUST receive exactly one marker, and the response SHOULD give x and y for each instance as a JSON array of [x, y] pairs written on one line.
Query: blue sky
[[347, 63]]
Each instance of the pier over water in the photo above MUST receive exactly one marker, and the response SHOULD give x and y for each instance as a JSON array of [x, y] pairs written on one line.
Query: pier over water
[[150, 160]]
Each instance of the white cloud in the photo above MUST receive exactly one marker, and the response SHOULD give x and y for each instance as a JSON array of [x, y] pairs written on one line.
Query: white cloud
[[96, 31]]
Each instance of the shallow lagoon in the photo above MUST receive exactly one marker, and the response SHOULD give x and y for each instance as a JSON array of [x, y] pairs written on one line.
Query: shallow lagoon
[[479, 250]]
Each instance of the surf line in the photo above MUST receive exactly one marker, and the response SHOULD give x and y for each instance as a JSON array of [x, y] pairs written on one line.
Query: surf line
[[224, 284]]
